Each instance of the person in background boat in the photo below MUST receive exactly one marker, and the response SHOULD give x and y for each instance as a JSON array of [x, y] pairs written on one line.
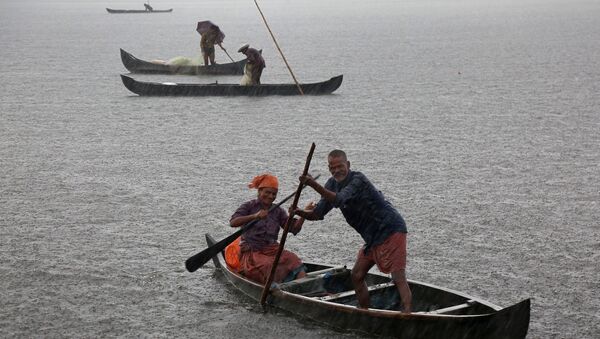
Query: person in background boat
[[208, 40], [254, 65], [148, 7], [258, 245], [379, 224]]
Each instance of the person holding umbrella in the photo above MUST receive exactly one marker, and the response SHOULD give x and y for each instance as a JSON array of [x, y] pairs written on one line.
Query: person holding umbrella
[[211, 35]]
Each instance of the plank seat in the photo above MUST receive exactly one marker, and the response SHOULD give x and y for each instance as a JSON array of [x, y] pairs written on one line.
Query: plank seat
[[451, 309], [352, 292], [335, 269], [314, 275], [311, 285]]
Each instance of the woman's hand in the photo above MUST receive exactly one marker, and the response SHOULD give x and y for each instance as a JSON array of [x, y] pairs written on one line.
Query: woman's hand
[[261, 214], [299, 222]]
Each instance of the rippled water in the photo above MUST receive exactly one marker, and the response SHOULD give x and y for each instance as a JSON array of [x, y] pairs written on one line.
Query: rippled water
[[479, 121]]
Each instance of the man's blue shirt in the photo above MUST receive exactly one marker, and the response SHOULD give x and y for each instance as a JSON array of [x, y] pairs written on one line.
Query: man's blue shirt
[[364, 208]]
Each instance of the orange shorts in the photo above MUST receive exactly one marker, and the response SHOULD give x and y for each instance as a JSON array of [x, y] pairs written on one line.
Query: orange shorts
[[390, 256]]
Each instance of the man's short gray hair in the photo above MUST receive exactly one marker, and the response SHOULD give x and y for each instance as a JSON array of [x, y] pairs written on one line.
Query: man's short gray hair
[[337, 153]]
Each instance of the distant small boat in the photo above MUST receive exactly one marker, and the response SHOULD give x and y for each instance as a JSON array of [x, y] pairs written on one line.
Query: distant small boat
[[135, 65], [216, 89], [117, 11], [326, 295]]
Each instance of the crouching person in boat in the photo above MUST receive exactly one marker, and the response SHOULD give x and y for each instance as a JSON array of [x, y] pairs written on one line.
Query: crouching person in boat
[[259, 245], [148, 7], [254, 65], [379, 224]]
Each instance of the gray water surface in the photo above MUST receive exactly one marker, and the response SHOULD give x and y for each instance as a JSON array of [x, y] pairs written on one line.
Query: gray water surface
[[478, 120]]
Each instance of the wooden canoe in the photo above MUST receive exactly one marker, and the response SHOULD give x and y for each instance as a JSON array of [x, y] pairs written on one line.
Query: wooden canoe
[[118, 11], [326, 296], [217, 89], [135, 65]]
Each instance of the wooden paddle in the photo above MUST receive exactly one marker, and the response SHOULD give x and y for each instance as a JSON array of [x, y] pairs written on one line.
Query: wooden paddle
[[230, 58], [198, 260], [289, 221], [224, 50]]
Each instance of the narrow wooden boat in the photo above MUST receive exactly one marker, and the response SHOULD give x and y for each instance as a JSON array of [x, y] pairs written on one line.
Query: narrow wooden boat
[[128, 11], [217, 89], [326, 296], [135, 65]]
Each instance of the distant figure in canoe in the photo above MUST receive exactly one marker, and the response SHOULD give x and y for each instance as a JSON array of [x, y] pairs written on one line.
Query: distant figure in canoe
[[258, 245], [254, 65], [379, 224], [211, 35], [148, 7]]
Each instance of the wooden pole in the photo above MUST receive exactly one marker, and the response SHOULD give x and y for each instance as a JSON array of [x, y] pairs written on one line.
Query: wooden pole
[[280, 52], [230, 58], [289, 221]]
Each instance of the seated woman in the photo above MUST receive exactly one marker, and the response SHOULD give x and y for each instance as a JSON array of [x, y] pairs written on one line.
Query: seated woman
[[259, 244]]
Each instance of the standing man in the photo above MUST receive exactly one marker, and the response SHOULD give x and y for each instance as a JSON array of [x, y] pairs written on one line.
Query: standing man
[[379, 224], [254, 65]]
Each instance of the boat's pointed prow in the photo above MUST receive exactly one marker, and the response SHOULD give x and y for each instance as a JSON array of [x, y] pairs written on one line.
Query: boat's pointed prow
[[515, 319], [336, 82], [129, 83]]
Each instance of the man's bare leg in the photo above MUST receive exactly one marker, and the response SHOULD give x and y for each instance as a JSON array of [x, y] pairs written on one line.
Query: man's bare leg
[[359, 272], [399, 278]]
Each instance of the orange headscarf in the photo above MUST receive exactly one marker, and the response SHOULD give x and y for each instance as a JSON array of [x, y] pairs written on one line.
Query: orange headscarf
[[264, 180]]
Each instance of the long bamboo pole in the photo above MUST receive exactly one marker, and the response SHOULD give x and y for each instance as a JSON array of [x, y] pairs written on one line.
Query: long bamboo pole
[[280, 52]]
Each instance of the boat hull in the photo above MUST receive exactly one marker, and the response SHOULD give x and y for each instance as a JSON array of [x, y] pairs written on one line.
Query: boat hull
[[135, 65], [216, 89], [479, 320], [132, 11]]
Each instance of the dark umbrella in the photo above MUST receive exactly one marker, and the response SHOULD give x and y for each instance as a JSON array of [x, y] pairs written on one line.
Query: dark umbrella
[[204, 26]]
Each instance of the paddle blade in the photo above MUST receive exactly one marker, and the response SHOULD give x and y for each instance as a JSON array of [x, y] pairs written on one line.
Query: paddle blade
[[198, 260]]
